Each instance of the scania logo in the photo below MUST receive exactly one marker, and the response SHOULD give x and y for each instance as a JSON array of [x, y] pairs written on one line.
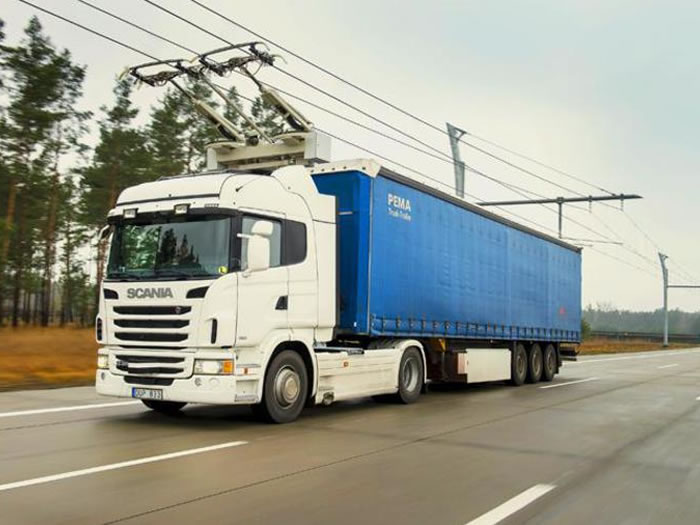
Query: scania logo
[[149, 293]]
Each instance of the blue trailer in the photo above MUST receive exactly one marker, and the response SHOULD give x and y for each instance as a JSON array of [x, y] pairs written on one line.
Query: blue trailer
[[417, 262]]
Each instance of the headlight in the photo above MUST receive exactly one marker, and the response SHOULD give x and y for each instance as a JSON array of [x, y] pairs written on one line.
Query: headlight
[[102, 361], [213, 367]]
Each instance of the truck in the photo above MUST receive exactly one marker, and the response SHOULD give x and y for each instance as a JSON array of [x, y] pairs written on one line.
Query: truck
[[279, 279]]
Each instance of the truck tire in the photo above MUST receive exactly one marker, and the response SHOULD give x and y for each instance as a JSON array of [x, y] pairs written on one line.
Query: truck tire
[[410, 376], [549, 363], [284, 392], [518, 365], [534, 364], [169, 408]]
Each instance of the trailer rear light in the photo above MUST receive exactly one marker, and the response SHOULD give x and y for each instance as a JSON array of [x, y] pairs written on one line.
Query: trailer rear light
[[213, 366], [102, 361], [98, 329]]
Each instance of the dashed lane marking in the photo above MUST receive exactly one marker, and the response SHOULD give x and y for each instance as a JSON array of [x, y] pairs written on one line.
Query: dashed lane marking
[[115, 466]]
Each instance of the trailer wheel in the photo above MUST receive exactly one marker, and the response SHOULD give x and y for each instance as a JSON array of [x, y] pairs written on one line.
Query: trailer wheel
[[518, 365], [410, 376], [549, 363], [284, 392], [169, 408], [534, 364]]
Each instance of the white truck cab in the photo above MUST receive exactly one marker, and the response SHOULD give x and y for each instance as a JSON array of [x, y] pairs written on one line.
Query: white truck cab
[[207, 277]]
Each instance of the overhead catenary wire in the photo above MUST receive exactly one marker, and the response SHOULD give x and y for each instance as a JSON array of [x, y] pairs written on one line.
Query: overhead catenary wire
[[447, 158], [148, 55], [411, 137], [136, 26], [381, 99], [443, 156], [539, 163], [85, 28], [334, 97], [306, 83]]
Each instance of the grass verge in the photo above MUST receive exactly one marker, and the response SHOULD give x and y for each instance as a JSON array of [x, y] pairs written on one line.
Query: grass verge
[[32, 357]]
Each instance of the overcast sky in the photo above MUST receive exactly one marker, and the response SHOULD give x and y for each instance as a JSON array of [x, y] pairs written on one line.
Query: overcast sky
[[605, 90]]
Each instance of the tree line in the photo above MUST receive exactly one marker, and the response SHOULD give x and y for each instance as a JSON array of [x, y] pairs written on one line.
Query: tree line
[[55, 190], [609, 318]]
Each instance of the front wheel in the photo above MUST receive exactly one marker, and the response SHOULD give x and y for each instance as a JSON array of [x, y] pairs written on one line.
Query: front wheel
[[169, 408], [410, 376], [286, 385]]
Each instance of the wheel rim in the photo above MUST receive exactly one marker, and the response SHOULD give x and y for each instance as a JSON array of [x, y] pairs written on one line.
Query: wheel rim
[[287, 386], [537, 363], [550, 362], [409, 374]]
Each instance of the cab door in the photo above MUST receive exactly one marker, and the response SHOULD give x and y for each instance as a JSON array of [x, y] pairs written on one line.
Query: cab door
[[262, 295]]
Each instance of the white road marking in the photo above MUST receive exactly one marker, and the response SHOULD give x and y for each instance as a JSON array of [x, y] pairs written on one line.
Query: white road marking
[[114, 466], [570, 383], [668, 366], [67, 409], [512, 506], [642, 355]]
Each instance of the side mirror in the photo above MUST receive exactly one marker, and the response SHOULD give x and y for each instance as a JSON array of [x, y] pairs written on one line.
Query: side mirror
[[258, 253], [105, 232], [258, 249]]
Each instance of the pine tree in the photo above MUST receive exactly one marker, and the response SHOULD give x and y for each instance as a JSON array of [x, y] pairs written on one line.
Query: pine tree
[[165, 132], [267, 117], [121, 159], [40, 125], [178, 134]]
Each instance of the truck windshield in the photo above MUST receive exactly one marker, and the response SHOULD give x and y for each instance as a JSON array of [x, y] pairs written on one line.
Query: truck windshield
[[185, 247]]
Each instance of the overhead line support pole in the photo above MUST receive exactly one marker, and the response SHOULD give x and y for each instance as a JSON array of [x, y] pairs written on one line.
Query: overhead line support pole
[[664, 274], [560, 201]]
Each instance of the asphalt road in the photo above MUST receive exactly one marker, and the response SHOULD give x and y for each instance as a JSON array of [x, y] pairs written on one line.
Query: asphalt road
[[614, 439]]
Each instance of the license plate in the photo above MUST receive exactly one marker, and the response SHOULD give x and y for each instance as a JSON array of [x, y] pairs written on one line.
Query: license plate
[[147, 393]]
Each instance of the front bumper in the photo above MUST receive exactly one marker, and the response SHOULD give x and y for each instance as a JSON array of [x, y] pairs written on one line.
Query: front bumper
[[217, 390]]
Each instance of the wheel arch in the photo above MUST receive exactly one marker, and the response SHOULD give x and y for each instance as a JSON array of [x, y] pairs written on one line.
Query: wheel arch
[[403, 344], [307, 355]]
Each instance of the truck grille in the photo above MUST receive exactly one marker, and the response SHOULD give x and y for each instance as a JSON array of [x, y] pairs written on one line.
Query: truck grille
[[151, 324], [152, 310], [150, 336]]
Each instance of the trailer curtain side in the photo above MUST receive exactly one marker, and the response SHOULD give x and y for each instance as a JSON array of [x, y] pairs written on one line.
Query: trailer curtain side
[[416, 262]]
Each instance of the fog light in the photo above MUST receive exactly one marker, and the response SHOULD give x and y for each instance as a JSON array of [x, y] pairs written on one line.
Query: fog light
[[102, 361], [213, 367]]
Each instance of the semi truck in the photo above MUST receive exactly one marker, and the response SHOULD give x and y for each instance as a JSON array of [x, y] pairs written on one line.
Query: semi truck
[[279, 279]]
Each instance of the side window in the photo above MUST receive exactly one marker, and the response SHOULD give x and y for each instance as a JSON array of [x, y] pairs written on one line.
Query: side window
[[294, 242], [275, 240]]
